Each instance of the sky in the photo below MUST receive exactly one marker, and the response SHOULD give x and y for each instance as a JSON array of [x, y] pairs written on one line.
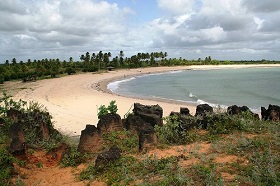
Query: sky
[[191, 29]]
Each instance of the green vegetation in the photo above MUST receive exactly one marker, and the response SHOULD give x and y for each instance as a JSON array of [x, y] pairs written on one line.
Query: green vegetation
[[45, 68], [111, 108], [30, 116], [232, 150], [252, 147]]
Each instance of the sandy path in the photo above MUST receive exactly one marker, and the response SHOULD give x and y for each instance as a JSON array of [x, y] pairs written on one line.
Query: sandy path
[[73, 100]]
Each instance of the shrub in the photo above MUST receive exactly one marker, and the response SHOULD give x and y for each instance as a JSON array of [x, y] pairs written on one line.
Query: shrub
[[6, 166], [171, 133], [73, 158], [111, 108]]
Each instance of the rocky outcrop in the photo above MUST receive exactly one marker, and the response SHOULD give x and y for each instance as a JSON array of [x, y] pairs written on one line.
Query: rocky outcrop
[[236, 110], [113, 154], [110, 122], [147, 139], [134, 124], [271, 113], [184, 111], [18, 145], [203, 110], [91, 140], [149, 113]]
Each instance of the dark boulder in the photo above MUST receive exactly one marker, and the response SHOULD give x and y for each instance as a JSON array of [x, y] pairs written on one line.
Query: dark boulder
[[202, 113], [17, 145], [177, 114], [110, 122], [184, 111], [2, 122], [91, 140], [147, 139], [236, 110], [203, 110], [186, 123], [149, 113], [271, 113], [39, 123], [14, 114], [134, 124], [113, 154]]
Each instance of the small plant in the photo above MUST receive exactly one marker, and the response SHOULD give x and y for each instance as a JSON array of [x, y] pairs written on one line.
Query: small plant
[[111, 108], [171, 132], [73, 158], [6, 166], [126, 141], [7, 103]]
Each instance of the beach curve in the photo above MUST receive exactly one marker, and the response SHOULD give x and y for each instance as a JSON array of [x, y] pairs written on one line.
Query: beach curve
[[73, 100]]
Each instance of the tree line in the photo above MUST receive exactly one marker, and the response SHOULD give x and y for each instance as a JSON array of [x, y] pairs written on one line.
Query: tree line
[[91, 62]]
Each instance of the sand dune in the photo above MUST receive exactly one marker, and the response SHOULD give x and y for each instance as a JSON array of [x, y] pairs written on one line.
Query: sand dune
[[73, 100]]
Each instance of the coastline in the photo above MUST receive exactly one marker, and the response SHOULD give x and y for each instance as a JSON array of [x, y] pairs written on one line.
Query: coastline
[[73, 100]]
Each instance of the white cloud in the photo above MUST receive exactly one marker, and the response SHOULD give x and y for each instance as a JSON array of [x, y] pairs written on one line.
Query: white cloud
[[177, 7], [61, 28]]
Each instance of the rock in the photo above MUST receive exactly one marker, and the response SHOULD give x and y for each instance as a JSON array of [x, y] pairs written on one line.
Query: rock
[[17, 145], [13, 114], [40, 123], [2, 122], [174, 114], [150, 114], [147, 139], [272, 113], [236, 110], [134, 124], [203, 110], [113, 154], [201, 113], [186, 123], [110, 122], [184, 111], [91, 140]]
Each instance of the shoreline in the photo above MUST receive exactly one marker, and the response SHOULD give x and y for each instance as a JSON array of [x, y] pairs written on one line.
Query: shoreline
[[73, 100]]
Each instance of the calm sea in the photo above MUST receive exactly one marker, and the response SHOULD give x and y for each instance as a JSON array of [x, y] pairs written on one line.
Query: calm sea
[[253, 87]]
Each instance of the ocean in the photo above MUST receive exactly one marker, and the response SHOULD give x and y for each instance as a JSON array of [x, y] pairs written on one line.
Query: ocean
[[253, 87]]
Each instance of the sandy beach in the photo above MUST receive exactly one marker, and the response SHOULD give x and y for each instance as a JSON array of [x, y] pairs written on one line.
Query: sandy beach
[[73, 100]]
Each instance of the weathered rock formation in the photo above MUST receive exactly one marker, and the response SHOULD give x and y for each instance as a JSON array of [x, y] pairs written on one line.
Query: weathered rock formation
[[271, 113], [134, 124], [109, 123], [147, 139], [236, 110], [203, 110], [91, 139], [18, 145], [149, 113], [184, 111], [113, 154]]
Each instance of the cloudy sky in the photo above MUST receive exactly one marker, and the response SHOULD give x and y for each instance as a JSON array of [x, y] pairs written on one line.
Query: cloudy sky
[[223, 29]]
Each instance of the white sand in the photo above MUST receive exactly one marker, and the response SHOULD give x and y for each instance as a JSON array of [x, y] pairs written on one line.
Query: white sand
[[73, 100]]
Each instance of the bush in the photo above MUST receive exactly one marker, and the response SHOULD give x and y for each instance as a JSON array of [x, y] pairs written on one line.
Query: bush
[[111, 108], [1, 79], [6, 166], [70, 71], [171, 133], [73, 158]]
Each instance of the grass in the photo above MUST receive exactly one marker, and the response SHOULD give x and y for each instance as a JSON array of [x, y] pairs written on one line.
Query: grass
[[244, 151]]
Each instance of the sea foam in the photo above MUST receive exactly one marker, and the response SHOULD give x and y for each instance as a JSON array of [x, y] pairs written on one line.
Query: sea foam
[[113, 86]]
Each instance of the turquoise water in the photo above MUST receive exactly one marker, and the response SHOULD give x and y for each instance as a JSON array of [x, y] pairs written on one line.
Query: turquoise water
[[253, 87]]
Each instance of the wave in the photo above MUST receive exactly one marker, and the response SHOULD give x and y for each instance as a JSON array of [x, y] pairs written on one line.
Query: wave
[[113, 86]]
